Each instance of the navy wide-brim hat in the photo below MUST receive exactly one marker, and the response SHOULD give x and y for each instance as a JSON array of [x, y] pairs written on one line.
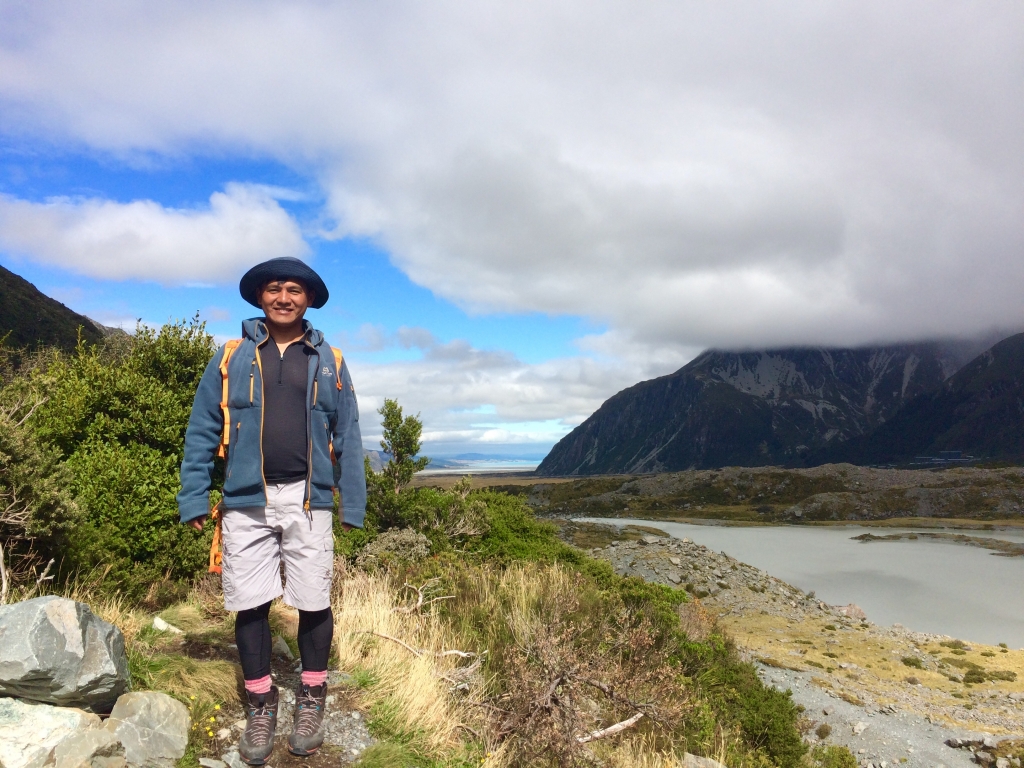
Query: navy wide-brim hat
[[283, 268]]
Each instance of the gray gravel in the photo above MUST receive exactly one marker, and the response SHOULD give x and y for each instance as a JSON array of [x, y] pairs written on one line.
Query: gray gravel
[[888, 737]]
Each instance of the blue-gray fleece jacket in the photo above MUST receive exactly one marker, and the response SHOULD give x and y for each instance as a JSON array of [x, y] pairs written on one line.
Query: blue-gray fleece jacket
[[332, 420]]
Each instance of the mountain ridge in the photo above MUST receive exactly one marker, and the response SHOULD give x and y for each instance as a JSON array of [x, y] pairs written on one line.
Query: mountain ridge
[[755, 407], [29, 318]]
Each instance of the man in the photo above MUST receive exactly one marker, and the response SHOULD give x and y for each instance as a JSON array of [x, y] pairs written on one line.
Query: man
[[289, 414]]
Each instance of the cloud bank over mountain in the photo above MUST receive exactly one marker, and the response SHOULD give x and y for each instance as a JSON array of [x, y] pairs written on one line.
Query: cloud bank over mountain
[[727, 174], [682, 175]]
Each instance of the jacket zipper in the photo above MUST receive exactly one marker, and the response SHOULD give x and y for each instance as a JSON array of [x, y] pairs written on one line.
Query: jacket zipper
[[252, 379], [309, 435]]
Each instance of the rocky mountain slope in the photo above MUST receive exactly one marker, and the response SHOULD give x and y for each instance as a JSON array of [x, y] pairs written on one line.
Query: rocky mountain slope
[[29, 318], [979, 410], [754, 408]]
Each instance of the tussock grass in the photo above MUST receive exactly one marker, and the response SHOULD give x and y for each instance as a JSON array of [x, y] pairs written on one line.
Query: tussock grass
[[408, 693]]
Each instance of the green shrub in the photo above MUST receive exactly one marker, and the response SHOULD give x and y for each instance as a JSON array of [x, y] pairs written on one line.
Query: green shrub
[[823, 731], [118, 415], [912, 661], [832, 756], [36, 508]]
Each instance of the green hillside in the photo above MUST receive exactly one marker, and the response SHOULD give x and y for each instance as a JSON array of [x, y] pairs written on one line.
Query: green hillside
[[29, 318]]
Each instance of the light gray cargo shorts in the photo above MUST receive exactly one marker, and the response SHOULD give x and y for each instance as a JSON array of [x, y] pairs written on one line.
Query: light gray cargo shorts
[[257, 539]]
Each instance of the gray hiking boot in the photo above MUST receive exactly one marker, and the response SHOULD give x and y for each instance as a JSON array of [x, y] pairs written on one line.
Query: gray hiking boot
[[308, 730], [257, 742]]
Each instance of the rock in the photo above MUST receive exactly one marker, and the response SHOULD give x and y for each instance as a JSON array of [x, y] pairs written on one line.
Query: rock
[[989, 743], [651, 540], [675, 561], [29, 732], [1002, 762], [954, 742], [233, 759], [56, 651], [281, 649], [152, 726], [94, 748], [983, 757], [212, 762], [695, 761], [859, 728], [162, 626], [853, 611], [826, 711], [674, 578]]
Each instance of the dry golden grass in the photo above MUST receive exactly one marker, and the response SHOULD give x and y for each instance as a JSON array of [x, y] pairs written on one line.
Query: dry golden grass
[[400, 652]]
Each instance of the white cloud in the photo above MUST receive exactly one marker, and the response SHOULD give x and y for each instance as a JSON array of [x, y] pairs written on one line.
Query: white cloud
[[690, 174], [144, 240], [729, 173], [468, 396]]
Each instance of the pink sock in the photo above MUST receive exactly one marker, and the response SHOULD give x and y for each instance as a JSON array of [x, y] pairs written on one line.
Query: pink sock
[[261, 685], [314, 678]]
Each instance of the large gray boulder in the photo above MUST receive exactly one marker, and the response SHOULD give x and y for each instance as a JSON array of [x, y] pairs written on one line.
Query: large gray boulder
[[152, 726], [30, 732], [56, 651]]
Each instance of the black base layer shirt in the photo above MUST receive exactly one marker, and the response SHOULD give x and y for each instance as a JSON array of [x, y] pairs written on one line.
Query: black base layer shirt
[[285, 442]]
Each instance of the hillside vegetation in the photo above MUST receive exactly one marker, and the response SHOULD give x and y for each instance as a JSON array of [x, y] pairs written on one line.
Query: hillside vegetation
[[554, 647], [834, 492], [31, 319]]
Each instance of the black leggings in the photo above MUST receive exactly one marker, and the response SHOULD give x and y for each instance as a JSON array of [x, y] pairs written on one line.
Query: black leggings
[[252, 635]]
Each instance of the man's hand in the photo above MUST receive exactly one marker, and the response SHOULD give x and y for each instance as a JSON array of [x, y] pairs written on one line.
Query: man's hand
[[197, 523]]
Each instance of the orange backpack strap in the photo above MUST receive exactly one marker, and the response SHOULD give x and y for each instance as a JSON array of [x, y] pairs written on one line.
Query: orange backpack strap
[[225, 438], [216, 555], [338, 359]]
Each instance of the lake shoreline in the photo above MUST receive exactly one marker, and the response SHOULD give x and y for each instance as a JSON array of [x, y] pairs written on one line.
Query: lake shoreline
[[835, 652]]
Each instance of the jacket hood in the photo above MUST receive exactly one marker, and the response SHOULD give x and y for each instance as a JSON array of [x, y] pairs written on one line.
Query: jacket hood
[[254, 328]]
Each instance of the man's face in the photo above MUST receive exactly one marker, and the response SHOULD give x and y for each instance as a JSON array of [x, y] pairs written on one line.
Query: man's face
[[284, 301]]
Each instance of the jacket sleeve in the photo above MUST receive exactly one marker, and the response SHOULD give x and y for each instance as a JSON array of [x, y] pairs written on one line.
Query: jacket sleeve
[[349, 473], [202, 437]]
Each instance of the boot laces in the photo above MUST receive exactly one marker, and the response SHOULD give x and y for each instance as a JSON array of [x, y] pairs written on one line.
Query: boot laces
[[260, 725], [309, 711]]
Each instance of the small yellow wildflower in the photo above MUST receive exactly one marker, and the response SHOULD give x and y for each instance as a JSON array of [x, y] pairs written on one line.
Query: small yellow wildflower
[[216, 706]]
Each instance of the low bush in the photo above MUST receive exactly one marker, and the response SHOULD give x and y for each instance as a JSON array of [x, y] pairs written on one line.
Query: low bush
[[912, 661], [832, 757], [117, 416]]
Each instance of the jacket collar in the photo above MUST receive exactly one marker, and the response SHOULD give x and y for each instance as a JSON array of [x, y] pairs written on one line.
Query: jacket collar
[[254, 328]]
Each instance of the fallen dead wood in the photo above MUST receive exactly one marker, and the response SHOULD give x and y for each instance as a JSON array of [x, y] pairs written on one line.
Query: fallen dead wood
[[611, 730]]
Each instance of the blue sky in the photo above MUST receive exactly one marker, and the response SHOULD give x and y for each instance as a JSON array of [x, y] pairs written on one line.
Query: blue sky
[[521, 209]]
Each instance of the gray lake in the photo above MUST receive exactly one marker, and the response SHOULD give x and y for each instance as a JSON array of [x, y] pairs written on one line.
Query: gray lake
[[925, 585]]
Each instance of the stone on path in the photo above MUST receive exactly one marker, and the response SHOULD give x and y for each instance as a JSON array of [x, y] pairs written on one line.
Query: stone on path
[[280, 648], [152, 726], [56, 651], [96, 748], [233, 759], [696, 761], [212, 762], [29, 732], [859, 728]]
